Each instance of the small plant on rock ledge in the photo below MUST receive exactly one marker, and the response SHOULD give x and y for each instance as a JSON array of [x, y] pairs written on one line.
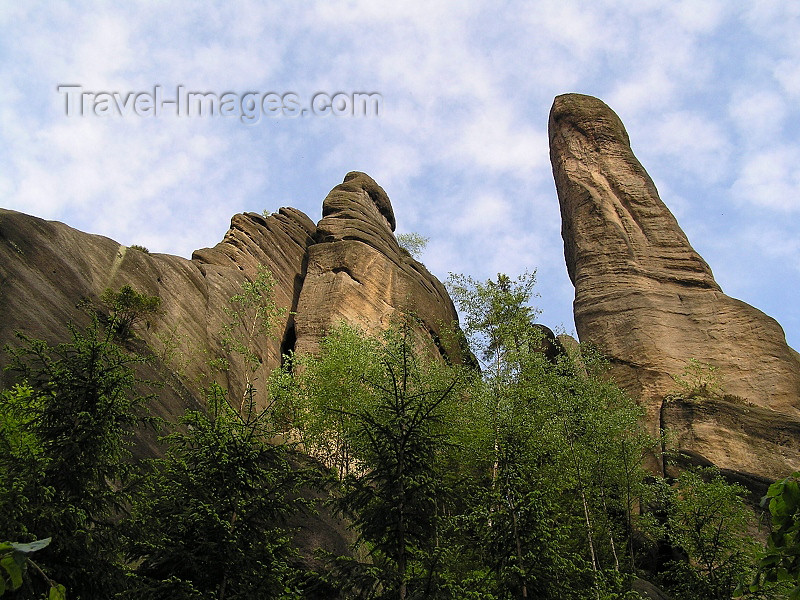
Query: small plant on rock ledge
[[413, 243], [698, 380], [127, 308]]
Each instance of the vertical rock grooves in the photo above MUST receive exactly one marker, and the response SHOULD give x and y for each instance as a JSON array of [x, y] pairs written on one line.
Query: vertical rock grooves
[[348, 268], [358, 274], [650, 302]]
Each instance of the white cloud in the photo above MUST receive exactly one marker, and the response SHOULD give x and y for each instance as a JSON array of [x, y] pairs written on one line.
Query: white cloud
[[787, 73], [653, 88], [691, 141], [701, 16], [769, 179], [758, 114], [708, 91], [487, 213]]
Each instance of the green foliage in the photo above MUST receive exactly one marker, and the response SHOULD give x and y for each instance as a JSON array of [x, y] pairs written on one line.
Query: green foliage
[[707, 520], [210, 517], [252, 316], [560, 449], [524, 480], [67, 432], [378, 411], [210, 520], [413, 243], [139, 248], [15, 559], [699, 380], [127, 308], [326, 390], [496, 315], [781, 560]]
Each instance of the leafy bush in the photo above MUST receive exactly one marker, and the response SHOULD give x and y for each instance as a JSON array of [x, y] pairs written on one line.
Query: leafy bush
[[413, 243], [127, 308], [15, 559], [781, 560], [699, 380]]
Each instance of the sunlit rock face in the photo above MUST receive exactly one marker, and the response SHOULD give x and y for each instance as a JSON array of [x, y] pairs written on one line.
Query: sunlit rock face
[[348, 268], [357, 273], [650, 302]]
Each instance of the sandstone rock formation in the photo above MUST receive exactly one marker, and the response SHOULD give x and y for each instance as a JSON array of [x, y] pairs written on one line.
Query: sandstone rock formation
[[349, 268], [47, 269], [650, 302], [357, 272]]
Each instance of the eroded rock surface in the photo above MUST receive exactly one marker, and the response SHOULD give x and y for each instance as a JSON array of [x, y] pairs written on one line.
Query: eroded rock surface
[[650, 302], [357, 273], [349, 268], [48, 268]]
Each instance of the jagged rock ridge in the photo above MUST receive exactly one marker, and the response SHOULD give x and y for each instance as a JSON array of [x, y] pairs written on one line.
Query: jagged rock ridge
[[348, 268], [650, 302]]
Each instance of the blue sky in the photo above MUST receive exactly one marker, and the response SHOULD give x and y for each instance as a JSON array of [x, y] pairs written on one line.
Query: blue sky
[[708, 90]]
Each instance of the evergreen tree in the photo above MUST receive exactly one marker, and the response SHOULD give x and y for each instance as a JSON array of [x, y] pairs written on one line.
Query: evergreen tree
[[395, 488], [67, 431], [210, 522]]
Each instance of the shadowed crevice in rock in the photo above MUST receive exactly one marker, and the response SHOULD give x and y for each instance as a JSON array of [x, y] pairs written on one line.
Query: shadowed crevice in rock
[[649, 301]]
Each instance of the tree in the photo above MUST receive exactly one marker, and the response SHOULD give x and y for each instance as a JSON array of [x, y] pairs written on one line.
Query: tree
[[252, 316], [413, 243], [210, 519], [496, 316], [396, 439], [127, 308], [68, 429], [562, 446], [699, 380], [210, 522], [319, 394], [707, 520]]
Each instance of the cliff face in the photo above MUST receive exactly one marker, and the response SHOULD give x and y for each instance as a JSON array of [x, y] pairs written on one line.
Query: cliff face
[[357, 272], [650, 302], [642, 294], [348, 268]]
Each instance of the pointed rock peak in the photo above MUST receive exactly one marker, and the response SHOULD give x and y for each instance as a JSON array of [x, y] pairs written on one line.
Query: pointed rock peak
[[588, 115], [613, 221], [357, 273], [650, 303], [357, 187]]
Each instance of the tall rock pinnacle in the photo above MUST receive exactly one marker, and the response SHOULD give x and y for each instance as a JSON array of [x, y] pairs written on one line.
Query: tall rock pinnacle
[[650, 302], [357, 272]]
